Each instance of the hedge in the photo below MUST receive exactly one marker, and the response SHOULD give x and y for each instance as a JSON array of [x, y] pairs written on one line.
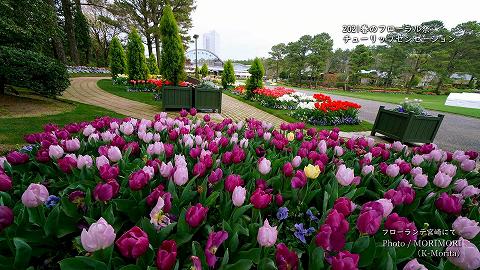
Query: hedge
[[32, 70]]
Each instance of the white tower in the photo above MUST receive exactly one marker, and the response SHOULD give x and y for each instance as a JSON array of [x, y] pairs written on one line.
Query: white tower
[[211, 42]]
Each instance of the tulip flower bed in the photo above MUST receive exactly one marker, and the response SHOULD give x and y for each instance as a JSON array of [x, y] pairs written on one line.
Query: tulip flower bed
[[188, 193]]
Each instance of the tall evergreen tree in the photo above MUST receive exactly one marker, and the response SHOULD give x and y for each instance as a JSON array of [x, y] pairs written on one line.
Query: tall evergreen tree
[[173, 53], [136, 62], [82, 35], [117, 58], [152, 65], [204, 70], [256, 77], [228, 75]]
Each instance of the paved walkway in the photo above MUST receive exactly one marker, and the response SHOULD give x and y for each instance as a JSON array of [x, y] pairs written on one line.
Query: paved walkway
[[456, 131], [85, 90]]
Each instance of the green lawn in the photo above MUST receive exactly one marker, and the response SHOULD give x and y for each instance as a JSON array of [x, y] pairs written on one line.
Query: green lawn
[[431, 102], [121, 91], [12, 130], [284, 115]]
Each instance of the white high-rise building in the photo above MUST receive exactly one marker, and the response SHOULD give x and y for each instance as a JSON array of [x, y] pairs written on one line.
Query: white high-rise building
[[211, 42]]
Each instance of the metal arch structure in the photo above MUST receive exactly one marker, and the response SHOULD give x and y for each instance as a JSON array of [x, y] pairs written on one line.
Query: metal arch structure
[[204, 57]]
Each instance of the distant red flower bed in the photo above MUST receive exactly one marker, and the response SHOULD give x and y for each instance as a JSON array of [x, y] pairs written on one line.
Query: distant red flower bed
[[275, 92], [333, 106]]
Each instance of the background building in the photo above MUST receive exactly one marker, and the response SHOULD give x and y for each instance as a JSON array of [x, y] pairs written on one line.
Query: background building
[[211, 42]]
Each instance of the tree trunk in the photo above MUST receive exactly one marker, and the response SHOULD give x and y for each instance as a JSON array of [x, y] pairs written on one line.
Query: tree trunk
[[439, 85], [149, 44], [157, 50], [2, 86], [57, 44], [70, 30]]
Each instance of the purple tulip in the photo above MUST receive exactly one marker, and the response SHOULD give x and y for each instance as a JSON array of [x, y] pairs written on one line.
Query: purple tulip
[[6, 217], [106, 191], [138, 180], [345, 260], [233, 181], [109, 172], [196, 215], [260, 199], [167, 255], [17, 158], [414, 265], [329, 239], [5, 182], [215, 239], [133, 243], [403, 228], [468, 165], [299, 180], [449, 204]]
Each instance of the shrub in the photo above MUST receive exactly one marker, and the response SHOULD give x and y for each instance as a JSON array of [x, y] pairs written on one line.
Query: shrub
[[32, 70], [228, 75], [204, 70], [256, 79], [173, 54], [136, 62], [152, 65], [117, 58]]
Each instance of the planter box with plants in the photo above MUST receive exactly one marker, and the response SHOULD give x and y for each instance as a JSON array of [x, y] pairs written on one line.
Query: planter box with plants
[[177, 97], [207, 96], [407, 123]]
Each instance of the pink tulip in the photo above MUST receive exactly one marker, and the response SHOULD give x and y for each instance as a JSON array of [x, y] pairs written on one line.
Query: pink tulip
[[465, 255], [55, 151], [267, 235], [72, 145], [468, 165], [460, 184], [34, 195], [417, 160], [297, 160], [180, 176], [166, 169], [114, 154], [387, 206], [470, 191], [88, 130], [264, 166], [84, 161], [466, 227], [392, 170], [344, 175], [442, 180], [416, 171], [448, 169], [414, 265], [420, 180], [238, 196], [100, 235], [367, 169], [100, 161]]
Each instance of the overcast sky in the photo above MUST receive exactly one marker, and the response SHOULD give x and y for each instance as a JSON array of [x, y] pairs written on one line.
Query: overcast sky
[[249, 28]]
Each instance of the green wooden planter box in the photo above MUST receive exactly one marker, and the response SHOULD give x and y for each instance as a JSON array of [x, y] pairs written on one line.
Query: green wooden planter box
[[177, 97], [206, 98], [406, 127]]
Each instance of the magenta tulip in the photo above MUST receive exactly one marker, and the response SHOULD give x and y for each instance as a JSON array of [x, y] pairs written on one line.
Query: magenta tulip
[[215, 239], [345, 261], [260, 199], [133, 243], [285, 259], [6, 217], [196, 214], [233, 181], [167, 255], [109, 172], [404, 229], [448, 203], [329, 239], [106, 191], [5, 182], [138, 180]]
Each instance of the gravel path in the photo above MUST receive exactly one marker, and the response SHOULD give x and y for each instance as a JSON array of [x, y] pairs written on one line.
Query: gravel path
[[456, 131]]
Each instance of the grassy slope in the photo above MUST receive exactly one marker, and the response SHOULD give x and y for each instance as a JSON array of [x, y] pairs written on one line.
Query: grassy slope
[[12, 130], [431, 102], [284, 115], [119, 90]]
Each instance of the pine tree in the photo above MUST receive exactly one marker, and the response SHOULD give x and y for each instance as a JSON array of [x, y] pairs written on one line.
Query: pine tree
[[228, 75], [117, 58], [152, 65], [256, 77], [82, 34], [136, 63], [204, 70], [173, 54]]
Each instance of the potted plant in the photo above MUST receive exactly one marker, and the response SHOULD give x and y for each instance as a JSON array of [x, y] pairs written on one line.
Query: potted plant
[[178, 94], [207, 96], [407, 123]]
